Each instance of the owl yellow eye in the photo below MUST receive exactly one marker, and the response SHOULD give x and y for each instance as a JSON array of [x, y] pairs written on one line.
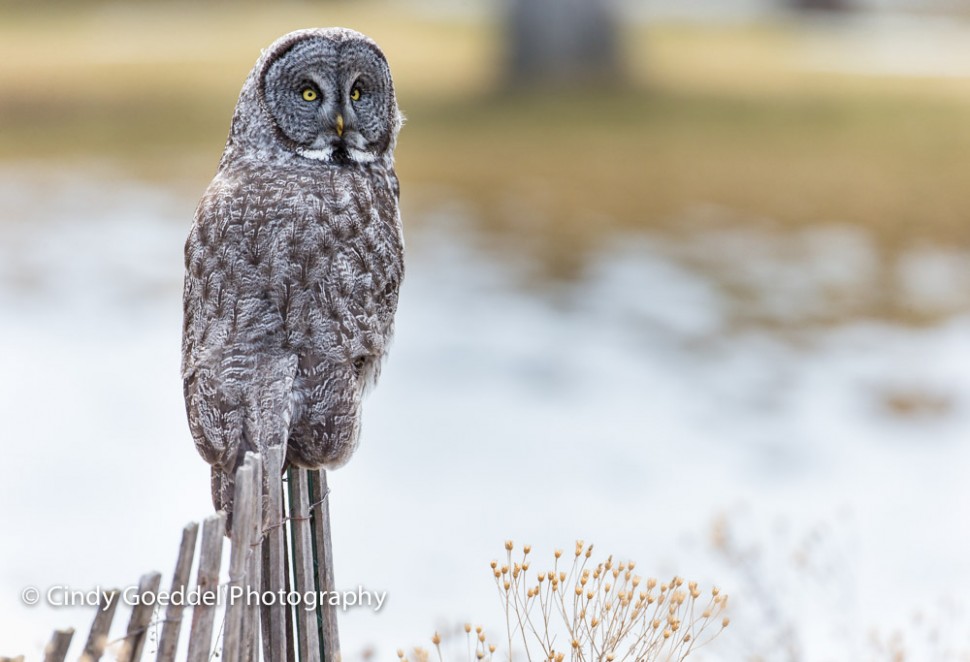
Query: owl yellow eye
[[309, 94], [355, 94]]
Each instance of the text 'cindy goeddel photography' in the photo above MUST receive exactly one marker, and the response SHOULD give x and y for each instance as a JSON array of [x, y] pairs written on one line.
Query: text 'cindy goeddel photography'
[[64, 596]]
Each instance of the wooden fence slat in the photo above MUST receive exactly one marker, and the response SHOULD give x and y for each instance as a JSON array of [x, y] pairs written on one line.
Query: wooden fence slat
[[56, 649], [288, 575], [274, 565], [250, 644], [306, 621], [320, 521], [203, 614], [98, 636], [172, 624], [242, 506], [141, 616]]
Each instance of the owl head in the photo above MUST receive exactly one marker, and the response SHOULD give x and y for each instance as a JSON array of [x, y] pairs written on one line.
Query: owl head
[[322, 94]]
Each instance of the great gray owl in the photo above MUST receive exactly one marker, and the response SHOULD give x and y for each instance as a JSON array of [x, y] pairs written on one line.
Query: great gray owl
[[293, 264]]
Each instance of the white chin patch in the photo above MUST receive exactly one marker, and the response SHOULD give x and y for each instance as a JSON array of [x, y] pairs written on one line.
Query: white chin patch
[[360, 156], [316, 154], [326, 155]]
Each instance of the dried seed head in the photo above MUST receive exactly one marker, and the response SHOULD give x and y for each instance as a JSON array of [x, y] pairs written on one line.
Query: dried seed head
[[436, 639], [468, 628], [726, 622], [400, 653], [557, 553], [527, 549], [509, 545]]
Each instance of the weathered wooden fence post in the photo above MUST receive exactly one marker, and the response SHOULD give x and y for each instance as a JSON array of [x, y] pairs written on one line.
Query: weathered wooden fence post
[[98, 636], [56, 650], [141, 616], [323, 558], [254, 566], [242, 527], [274, 565], [203, 614], [308, 636], [180, 581]]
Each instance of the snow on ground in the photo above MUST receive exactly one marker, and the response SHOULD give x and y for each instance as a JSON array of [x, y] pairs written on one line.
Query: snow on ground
[[624, 409]]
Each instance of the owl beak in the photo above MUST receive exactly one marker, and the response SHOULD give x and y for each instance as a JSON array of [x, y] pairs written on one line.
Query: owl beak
[[340, 125]]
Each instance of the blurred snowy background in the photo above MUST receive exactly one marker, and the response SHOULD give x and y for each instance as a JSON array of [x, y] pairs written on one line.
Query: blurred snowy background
[[713, 316]]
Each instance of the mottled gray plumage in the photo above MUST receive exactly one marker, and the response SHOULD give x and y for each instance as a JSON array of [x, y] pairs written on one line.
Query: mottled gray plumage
[[293, 264]]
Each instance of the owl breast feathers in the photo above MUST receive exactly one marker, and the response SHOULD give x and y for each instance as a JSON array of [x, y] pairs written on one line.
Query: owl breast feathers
[[295, 259]]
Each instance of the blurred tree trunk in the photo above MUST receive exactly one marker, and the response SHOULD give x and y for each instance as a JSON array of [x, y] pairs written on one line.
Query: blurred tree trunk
[[561, 42], [822, 5]]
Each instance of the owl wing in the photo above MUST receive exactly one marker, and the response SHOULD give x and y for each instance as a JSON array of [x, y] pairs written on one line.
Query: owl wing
[[237, 376]]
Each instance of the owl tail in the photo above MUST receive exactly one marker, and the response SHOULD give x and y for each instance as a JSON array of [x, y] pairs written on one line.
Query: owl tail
[[224, 483], [223, 488]]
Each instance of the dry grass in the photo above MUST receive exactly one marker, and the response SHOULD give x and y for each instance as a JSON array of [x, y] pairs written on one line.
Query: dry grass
[[581, 610], [712, 116]]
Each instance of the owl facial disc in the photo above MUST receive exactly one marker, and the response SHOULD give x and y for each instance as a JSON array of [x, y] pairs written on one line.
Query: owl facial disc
[[330, 95]]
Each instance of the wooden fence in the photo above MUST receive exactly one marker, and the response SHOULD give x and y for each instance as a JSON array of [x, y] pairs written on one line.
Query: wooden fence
[[269, 553]]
